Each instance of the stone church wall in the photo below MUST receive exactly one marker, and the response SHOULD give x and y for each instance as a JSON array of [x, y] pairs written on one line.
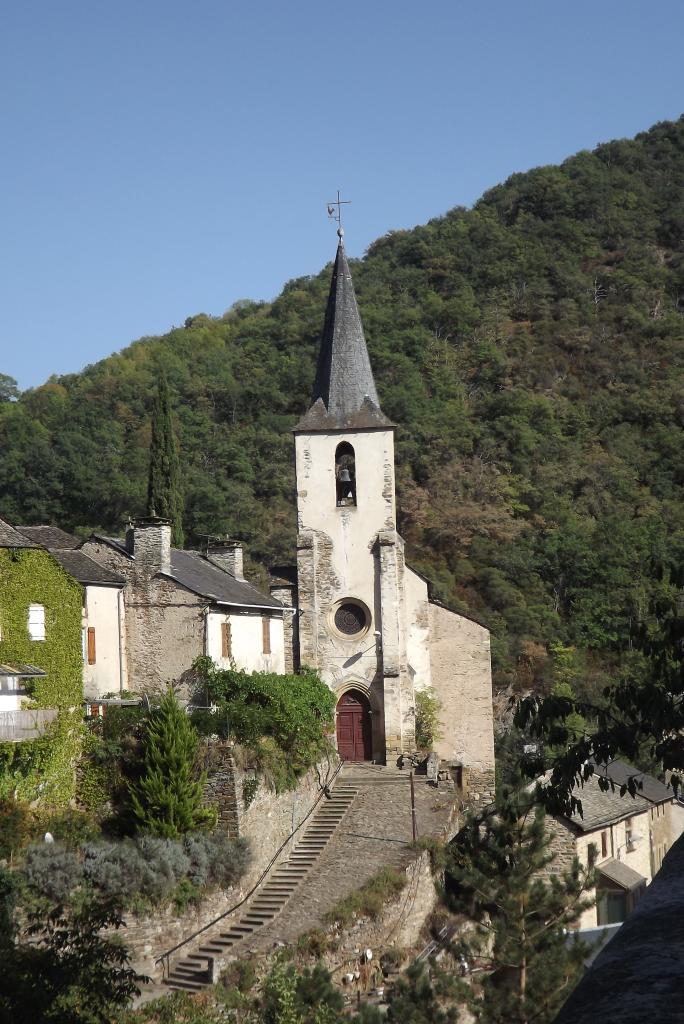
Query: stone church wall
[[462, 682]]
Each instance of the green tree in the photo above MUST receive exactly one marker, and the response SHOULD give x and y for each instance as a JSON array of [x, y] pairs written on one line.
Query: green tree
[[497, 879], [68, 972], [164, 496], [167, 799], [8, 388]]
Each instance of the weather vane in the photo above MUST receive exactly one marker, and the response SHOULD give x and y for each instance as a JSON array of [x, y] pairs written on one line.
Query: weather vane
[[336, 214]]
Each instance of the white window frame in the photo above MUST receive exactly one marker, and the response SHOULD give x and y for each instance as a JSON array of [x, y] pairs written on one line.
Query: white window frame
[[36, 621]]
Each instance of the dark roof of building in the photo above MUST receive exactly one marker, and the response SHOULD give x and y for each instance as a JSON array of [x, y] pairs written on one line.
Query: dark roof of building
[[621, 874], [85, 569], [651, 789], [602, 807], [115, 542], [344, 395], [11, 538], [638, 976], [192, 570], [50, 537]]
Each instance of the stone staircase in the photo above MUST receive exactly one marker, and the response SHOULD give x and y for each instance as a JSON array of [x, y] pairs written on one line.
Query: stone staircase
[[200, 966]]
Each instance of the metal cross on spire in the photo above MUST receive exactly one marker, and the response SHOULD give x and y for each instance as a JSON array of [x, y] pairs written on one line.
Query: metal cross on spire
[[336, 214]]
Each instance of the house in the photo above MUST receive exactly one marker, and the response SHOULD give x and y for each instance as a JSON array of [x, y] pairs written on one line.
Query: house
[[364, 618], [180, 605], [41, 681], [630, 837], [103, 625]]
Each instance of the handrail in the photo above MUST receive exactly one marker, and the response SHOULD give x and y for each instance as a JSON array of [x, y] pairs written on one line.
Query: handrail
[[165, 958]]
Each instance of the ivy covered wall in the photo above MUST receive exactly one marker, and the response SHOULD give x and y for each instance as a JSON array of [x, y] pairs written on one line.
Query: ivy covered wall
[[44, 768]]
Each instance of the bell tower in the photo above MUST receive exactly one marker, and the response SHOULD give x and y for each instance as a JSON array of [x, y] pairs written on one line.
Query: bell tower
[[350, 559]]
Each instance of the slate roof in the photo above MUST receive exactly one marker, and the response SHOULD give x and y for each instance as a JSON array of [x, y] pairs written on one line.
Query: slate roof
[[620, 873], [85, 569], [50, 537], [194, 571], [637, 978], [344, 394], [602, 808], [11, 538], [650, 789]]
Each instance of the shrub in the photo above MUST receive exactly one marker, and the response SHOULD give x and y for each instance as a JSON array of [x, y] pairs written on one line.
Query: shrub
[[283, 717], [14, 827], [216, 859], [72, 828], [240, 974], [185, 895], [116, 869], [166, 864], [52, 870], [427, 719], [369, 899]]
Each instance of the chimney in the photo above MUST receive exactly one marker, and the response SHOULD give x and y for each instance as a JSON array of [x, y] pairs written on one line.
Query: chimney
[[227, 555], [152, 543]]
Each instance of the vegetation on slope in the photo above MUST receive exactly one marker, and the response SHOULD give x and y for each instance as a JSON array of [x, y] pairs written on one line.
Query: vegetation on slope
[[530, 350]]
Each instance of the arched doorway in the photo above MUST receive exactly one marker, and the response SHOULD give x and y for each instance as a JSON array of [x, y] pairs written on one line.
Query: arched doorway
[[354, 742]]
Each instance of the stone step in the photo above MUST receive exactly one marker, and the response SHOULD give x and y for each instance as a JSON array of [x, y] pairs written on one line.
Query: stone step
[[184, 983]]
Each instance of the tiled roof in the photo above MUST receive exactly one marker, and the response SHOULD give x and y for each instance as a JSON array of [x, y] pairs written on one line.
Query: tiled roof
[[11, 538], [192, 570], [344, 395], [49, 537], [85, 569]]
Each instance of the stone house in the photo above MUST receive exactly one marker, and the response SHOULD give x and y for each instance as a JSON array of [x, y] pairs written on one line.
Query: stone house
[[630, 837], [180, 605], [364, 618]]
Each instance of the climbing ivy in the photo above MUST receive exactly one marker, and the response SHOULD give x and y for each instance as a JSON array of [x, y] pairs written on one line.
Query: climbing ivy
[[43, 768]]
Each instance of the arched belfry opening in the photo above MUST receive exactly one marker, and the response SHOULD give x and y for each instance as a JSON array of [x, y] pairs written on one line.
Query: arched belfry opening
[[353, 726], [345, 475]]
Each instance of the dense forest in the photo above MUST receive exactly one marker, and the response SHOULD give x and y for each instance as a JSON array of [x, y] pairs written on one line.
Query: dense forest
[[531, 351]]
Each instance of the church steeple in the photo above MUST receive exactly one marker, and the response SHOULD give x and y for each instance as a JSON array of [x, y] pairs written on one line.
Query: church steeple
[[344, 394]]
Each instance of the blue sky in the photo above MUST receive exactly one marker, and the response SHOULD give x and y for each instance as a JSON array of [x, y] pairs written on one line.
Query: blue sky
[[161, 159]]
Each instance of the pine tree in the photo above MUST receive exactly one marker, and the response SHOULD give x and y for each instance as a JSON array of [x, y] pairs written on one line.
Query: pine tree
[[167, 799], [164, 496], [497, 878]]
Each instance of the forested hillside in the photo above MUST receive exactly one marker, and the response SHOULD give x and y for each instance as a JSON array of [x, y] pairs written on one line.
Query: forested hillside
[[530, 349]]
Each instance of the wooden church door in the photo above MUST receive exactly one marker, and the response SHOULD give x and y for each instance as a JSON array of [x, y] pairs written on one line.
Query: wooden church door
[[354, 727]]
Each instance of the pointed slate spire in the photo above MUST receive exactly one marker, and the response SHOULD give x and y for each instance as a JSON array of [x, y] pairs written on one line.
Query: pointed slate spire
[[344, 394]]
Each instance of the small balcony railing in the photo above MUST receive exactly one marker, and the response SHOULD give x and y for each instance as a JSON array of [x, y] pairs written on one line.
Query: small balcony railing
[[25, 725]]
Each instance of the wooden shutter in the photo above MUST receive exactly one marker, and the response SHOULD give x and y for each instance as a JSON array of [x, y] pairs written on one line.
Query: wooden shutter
[[266, 634], [91, 645], [225, 640]]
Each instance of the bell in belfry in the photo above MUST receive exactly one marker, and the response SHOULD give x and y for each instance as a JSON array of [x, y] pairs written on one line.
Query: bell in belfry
[[345, 477]]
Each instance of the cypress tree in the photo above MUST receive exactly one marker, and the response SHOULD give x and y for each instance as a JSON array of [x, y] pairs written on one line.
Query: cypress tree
[[167, 799], [497, 877], [164, 496]]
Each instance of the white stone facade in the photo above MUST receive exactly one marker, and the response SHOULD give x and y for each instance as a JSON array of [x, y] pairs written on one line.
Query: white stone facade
[[104, 670]]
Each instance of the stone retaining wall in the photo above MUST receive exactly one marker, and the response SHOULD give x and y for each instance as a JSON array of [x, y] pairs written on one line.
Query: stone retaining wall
[[266, 824]]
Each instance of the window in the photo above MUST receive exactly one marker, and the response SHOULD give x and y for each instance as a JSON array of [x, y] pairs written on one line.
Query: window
[[604, 844], [36, 621], [345, 475], [91, 645], [226, 640], [266, 634]]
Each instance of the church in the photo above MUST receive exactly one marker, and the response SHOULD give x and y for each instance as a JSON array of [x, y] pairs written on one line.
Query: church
[[352, 608], [363, 617]]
